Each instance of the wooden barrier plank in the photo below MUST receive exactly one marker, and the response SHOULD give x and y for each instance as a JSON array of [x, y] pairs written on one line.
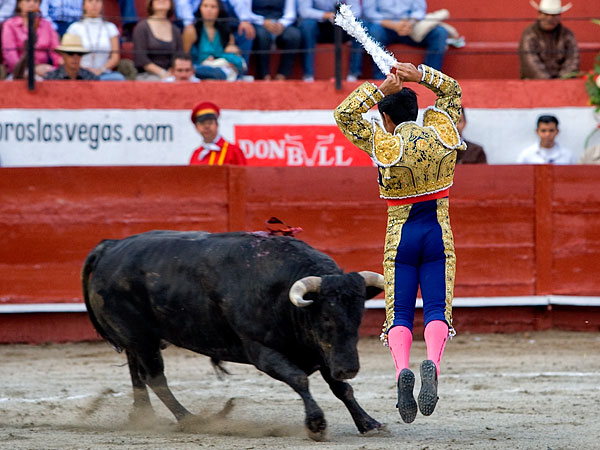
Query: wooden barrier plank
[[543, 230]]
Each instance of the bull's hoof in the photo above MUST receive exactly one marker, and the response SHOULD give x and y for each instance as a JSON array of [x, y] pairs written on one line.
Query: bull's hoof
[[190, 423], [316, 429], [378, 430], [318, 436], [371, 427]]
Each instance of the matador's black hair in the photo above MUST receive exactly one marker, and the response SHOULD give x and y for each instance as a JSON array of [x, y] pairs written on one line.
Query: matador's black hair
[[401, 106]]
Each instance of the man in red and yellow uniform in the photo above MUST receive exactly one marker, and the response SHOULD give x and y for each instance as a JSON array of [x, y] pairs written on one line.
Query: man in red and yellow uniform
[[215, 151]]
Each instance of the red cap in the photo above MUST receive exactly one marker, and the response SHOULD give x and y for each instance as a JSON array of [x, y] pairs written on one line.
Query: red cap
[[204, 111]]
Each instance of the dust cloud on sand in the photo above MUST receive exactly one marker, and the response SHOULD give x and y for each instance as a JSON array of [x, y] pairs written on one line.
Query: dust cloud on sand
[[516, 391]]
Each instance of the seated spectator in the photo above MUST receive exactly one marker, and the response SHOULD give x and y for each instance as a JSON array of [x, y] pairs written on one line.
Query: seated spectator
[[14, 35], [182, 69], [546, 150], [61, 13], [547, 48], [243, 32], [316, 25], [474, 153], [71, 51], [155, 41], [273, 22], [214, 53], [101, 39], [392, 21]]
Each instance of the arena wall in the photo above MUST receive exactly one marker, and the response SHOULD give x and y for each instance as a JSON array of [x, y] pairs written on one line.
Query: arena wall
[[520, 231], [526, 237]]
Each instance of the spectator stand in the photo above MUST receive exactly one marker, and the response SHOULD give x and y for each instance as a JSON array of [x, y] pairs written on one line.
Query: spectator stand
[[491, 31]]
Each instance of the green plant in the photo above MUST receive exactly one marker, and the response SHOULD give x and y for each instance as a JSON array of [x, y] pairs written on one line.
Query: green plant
[[592, 84]]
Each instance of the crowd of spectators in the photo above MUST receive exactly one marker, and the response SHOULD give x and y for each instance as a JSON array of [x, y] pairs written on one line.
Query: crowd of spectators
[[221, 35]]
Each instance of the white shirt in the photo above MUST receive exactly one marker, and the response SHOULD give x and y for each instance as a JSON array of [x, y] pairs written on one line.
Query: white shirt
[[243, 9], [171, 79], [535, 154], [95, 36]]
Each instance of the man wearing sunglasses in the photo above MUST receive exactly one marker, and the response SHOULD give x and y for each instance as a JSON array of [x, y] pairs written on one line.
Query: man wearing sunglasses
[[71, 51]]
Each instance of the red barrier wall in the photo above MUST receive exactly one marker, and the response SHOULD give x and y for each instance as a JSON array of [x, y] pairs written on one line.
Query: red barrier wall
[[521, 230], [274, 95]]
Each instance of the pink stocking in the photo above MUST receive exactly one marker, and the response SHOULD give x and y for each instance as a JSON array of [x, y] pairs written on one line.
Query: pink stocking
[[436, 335], [400, 340]]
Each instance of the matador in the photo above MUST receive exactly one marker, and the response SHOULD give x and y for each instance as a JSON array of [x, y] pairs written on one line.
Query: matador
[[415, 166]]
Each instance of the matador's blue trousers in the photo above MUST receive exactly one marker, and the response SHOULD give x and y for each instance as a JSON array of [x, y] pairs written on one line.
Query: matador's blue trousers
[[419, 252]]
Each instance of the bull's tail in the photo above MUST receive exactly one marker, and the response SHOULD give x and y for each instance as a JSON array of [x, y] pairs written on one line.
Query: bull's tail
[[88, 268]]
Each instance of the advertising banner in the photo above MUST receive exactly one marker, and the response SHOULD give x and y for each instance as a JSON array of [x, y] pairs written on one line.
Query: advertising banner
[[298, 145], [299, 138]]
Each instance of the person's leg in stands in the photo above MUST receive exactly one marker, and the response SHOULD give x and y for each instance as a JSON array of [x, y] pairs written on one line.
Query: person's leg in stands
[[290, 39], [262, 46], [309, 29], [356, 60], [435, 43], [209, 73], [129, 17], [245, 46]]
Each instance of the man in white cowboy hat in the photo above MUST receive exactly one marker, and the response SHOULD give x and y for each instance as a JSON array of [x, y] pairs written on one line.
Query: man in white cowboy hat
[[547, 48], [71, 51]]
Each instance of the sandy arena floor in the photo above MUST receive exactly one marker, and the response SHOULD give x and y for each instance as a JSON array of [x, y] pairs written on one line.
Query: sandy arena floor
[[521, 391]]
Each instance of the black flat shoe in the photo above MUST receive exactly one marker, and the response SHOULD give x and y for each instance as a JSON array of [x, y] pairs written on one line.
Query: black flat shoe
[[429, 383], [407, 407]]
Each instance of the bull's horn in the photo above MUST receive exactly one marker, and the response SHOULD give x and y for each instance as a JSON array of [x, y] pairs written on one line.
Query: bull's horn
[[372, 279], [301, 287]]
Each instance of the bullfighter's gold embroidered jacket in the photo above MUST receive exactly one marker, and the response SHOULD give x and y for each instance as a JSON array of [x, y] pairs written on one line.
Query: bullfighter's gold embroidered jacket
[[415, 160]]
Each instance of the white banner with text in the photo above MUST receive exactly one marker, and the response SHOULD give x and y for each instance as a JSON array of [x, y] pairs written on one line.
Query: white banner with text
[[91, 137]]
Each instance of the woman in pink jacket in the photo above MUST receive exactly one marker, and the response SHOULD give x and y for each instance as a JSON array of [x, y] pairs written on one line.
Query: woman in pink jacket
[[14, 35]]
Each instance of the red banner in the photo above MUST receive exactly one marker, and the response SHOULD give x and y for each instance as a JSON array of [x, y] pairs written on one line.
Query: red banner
[[298, 145]]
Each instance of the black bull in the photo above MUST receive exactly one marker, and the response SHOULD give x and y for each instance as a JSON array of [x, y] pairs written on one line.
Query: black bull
[[271, 301]]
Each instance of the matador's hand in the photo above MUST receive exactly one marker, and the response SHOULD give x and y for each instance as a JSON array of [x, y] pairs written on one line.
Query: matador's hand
[[391, 84], [408, 72]]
